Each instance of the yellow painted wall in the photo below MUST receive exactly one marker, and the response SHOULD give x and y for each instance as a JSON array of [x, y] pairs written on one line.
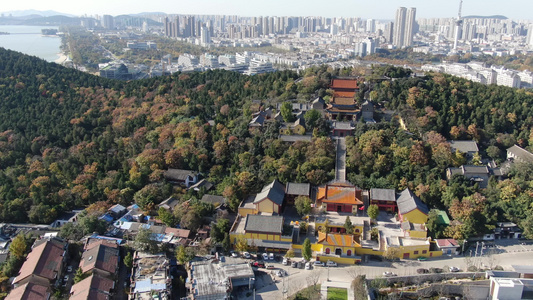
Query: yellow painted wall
[[340, 260], [369, 251], [418, 234], [267, 206], [415, 216], [332, 249], [246, 211]]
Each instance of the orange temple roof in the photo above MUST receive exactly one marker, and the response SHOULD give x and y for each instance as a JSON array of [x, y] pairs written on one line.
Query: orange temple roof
[[344, 84], [340, 194]]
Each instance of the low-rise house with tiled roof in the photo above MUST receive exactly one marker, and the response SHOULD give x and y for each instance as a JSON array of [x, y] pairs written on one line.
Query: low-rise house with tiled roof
[[213, 199], [30, 291], [468, 148], [100, 257], [293, 190], [411, 208], [341, 198], [94, 287], [169, 204], [44, 264], [263, 231], [184, 177], [385, 199], [150, 277], [476, 174], [447, 246], [519, 154]]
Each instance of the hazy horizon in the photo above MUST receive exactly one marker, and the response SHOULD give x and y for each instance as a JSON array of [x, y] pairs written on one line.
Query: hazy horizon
[[380, 9]]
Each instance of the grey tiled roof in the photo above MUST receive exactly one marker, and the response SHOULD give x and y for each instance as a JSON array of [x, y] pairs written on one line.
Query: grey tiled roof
[[383, 194], [408, 201], [298, 189], [521, 153], [260, 223], [213, 199], [463, 146], [275, 191], [179, 175]]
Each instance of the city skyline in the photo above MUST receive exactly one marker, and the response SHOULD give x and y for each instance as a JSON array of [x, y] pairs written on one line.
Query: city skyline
[[381, 9]]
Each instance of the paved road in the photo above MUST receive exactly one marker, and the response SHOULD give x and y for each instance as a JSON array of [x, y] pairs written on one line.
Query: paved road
[[340, 163], [300, 278]]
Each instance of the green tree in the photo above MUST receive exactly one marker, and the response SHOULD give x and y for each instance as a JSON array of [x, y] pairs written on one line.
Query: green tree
[[18, 246], [286, 112], [145, 241], [128, 260], [241, 244], [312, 118], [226, 242], [303, 205], [184, 255], [290, 253], [348, 225], [91, 223], [166, 217], [373, 211], [306, 249], [71, 231], [79, 275], [219, 230]]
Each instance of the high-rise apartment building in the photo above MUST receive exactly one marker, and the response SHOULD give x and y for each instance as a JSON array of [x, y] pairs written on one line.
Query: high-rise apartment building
[[530, 35], [108, 22], [404, 27]]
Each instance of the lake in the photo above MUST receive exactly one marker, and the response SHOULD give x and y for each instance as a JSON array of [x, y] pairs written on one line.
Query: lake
[[28, 40]]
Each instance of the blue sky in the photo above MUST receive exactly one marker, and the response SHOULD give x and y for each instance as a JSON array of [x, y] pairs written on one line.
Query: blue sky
[[377, 9]]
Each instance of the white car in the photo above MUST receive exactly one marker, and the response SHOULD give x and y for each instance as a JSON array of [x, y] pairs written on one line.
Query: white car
[[389, 274], [285, 261], [246, 255], [265, 256], [234, 254], [271, 256], [308, 266], [331, 263], [454, 269], [318, 263], [69, 269]]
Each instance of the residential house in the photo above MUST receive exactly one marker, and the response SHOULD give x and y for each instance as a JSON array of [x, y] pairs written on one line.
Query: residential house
[[447, 246], [507, 230], [30, 291], [409, 247], [519, 154], [185, 177], [67, 217], [213, 199], [202, 184], [150, 277], [169, 204], [414, 230], [100, 257], [293, 190], [385, 199], [476, 174], [367, 111], [94, 287], [44, 264], [340, 198], [318, 104], [411, 208], [296, 127], [289, 138], [214, 280], [117, 211], [468, 148]]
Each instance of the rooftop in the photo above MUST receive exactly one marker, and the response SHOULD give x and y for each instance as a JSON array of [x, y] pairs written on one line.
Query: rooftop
[[383, 195], [463, 146], [149, 279], [45, 260], [92, 287], [29, 291], [298, 189], [345, 194], [521, 153], [344, 84], [408, 201], [212, 279], [262, 223], [275, 192]]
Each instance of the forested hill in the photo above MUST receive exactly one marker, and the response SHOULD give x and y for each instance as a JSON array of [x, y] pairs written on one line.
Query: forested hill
[[69, 139]]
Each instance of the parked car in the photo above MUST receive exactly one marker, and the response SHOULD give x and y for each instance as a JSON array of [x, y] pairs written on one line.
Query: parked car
[[294, 264], [69, 269], [234, 254], [435, 270], [271, 256], [65, 280], [270, 267], [258, 264], [422, 271], [389, 274], [265, 256], [246, 255], [454, 269], [422, 258], [331, 263], [281, 273], [285, 261], [308, 266], [318, 263]]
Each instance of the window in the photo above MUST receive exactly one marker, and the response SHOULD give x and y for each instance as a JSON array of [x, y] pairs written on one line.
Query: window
[[416, 252], [424, 251], [327, 250], [349, 252], [356, 229]]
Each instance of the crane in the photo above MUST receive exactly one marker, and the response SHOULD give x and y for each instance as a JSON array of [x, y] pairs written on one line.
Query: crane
[[458, 24]]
